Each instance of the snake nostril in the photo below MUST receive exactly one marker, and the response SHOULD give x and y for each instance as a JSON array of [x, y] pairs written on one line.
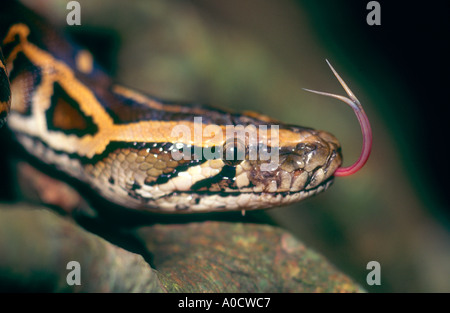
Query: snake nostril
[[305, 147]]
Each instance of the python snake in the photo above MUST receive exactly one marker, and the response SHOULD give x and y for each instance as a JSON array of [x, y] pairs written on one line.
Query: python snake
[[66, 112]]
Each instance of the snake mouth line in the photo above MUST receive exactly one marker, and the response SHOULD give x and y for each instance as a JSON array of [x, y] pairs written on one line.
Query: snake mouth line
[[319, 188], [199, 201]]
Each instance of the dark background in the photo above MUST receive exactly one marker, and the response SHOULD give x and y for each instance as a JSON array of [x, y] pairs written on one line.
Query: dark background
[[413, 43]]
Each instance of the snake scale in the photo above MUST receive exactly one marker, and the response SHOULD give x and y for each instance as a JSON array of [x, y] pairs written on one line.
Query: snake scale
[[65, 111]]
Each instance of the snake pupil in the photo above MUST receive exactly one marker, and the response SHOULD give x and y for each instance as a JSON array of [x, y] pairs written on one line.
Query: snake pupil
[[233, 152]]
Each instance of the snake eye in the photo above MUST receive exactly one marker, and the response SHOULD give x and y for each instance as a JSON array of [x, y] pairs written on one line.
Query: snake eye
[[233, 152]]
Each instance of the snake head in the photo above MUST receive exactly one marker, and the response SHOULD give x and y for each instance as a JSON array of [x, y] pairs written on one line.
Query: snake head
[[283, 165], [301, 164], [179, 177], [220, 161]]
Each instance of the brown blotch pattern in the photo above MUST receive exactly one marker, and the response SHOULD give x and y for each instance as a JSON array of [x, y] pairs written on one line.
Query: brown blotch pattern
[[66, 117]]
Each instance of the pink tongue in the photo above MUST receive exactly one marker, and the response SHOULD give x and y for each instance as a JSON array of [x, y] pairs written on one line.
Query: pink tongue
[[354, 103]]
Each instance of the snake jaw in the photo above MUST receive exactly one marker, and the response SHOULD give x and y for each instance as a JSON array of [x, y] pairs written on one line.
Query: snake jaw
[[366, 130]]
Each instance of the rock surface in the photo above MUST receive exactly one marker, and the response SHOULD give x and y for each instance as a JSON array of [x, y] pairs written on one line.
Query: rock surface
[[36, 245]]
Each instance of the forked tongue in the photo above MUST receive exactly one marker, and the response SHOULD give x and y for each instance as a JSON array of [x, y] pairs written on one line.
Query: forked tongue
[[354, 103]]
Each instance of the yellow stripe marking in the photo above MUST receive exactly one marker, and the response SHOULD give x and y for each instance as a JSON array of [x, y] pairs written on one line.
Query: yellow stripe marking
[[144, 131], [84, 62]]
